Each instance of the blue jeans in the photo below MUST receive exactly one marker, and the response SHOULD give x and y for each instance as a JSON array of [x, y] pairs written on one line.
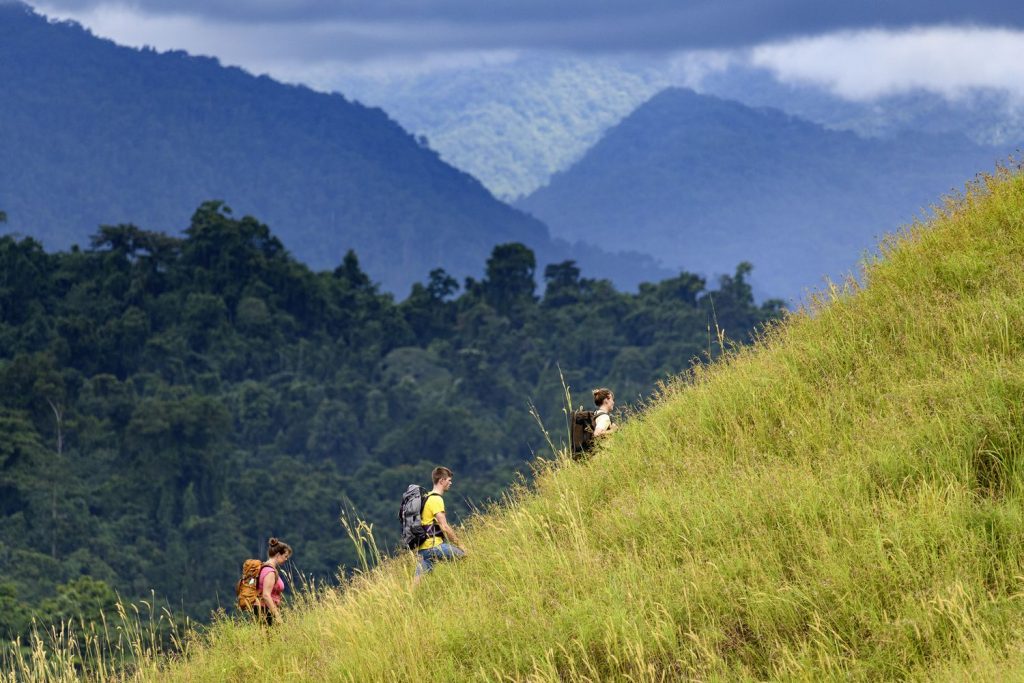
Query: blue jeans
[[439, 553]]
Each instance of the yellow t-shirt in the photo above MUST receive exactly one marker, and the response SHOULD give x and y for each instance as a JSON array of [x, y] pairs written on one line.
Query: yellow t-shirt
[[434, 504]]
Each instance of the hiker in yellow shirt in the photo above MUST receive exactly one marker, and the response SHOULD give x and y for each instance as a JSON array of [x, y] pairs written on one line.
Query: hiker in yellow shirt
[[442, 543]]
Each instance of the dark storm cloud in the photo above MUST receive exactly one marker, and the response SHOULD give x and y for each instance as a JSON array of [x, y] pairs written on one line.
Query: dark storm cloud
[[598, 25]]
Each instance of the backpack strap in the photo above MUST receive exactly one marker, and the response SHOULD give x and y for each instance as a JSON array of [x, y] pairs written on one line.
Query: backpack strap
[[593, 421], [433, 529], [423, 500], [259, 577]]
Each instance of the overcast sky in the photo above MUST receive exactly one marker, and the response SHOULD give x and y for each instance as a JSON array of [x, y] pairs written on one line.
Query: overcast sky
[[856, 48]]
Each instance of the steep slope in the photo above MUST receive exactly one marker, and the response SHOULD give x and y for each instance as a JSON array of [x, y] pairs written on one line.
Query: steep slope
[[841, 501], [697, 180], [95, 134]]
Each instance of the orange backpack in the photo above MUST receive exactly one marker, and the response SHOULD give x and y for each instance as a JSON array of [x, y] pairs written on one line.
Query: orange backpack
[[248, 588]]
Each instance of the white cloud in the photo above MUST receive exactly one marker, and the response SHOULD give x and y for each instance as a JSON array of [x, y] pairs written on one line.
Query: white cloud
[[857, 65], [690, 68], [864, 65], [316, 54]]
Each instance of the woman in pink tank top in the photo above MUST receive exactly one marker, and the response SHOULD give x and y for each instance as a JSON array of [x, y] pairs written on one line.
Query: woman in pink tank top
[[270, 584]]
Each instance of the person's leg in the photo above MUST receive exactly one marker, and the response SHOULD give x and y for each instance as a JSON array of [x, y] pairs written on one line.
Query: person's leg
[[448, 552], [261, 615], [424, 563]]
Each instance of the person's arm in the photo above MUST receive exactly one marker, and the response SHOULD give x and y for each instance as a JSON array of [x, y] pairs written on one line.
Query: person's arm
[[446, 528], [269, 581], [603, 425]]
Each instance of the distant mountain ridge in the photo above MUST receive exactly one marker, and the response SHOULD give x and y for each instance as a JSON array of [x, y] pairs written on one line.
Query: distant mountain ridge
[[698, 180], [94, 133], [513, 124]]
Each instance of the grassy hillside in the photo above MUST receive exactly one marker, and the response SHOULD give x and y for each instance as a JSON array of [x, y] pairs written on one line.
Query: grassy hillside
[[843, 500]]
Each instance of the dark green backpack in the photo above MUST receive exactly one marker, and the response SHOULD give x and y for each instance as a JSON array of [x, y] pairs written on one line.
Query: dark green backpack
[[583, 432]]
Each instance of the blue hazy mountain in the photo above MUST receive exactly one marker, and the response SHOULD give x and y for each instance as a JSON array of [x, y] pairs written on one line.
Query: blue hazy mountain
[[701, 181], [513, 123], [94, 133]]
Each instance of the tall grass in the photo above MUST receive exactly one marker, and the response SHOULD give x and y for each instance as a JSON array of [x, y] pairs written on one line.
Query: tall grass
[[842, 500], [133, 641]]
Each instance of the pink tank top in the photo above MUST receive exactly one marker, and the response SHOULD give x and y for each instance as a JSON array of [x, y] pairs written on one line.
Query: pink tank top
[[277, 590]]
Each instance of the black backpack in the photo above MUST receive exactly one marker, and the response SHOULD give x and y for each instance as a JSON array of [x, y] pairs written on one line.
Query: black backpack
[[583, 431], [410, 515]]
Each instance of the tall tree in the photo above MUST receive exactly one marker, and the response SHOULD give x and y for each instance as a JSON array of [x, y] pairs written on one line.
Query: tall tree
[[509, 284]]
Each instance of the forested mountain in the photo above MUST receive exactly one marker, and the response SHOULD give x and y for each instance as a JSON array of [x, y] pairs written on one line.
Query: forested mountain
[[698, 180], [95, 133], [167, 403], [512, 124]]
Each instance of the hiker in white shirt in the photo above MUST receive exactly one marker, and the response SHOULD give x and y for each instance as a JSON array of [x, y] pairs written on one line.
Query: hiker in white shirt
[[604, 399]]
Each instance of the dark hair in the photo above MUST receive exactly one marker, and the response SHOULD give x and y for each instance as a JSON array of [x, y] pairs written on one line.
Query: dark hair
[[440, 473], [276, 547], [600, 395]]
